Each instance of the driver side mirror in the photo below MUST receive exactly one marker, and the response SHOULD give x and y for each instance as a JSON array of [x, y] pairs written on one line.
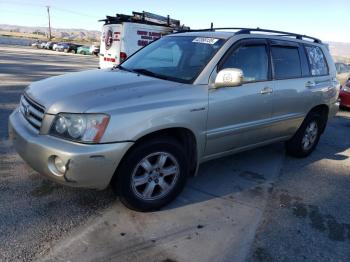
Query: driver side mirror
[[229, 77]]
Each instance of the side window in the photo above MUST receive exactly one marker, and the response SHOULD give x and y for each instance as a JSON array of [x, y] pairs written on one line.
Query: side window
[[252, 60], [286, 62], [318, 65]]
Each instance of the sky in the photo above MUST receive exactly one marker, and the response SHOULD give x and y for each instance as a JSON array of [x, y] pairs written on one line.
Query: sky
[[324, 19]]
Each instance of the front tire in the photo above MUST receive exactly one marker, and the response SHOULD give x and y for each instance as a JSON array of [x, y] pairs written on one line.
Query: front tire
[[152, 174], [307, 137]]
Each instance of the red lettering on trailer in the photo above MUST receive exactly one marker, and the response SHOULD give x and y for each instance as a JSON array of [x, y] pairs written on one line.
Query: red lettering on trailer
[[155, 34], [142, 32], [142, 42], [109, 59]]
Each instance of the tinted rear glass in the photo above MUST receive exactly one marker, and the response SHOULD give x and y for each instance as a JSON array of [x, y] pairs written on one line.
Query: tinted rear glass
[[286, 62], [318, 65]]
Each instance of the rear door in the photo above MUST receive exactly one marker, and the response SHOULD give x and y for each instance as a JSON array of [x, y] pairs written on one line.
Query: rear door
[[299, 72], [240, 116], [290, 72]]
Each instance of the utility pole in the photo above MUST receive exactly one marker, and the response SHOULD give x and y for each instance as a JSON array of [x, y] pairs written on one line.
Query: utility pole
[[48, 13]]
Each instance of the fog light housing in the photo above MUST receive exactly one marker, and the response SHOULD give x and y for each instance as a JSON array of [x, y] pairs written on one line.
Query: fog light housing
[[57, 166]]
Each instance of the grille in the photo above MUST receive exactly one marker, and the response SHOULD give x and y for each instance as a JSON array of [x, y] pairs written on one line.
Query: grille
[[32, 112]]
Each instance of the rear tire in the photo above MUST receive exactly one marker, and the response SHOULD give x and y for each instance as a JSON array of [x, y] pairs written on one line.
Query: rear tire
[[152, 174], [306, 138]]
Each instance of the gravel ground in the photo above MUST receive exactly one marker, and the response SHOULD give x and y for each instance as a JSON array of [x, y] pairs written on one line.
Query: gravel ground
[[33, 211]]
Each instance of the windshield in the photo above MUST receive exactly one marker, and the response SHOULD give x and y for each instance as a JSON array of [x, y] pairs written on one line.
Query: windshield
[[176, 58]]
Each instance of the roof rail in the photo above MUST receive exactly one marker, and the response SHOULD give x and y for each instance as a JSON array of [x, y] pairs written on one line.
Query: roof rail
[[241, 30], [297, 36]]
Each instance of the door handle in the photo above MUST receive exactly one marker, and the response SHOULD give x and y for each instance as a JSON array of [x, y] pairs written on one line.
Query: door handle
[[310, 84], [266, 90]]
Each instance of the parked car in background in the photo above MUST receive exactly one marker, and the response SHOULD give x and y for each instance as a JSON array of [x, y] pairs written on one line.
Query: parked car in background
[[343, 73], [145, 126], [61, 46], [47, 45], [66, 47], [54, 47], [84, 50], [36, 44], [71, 48], [344, 96], [50, 46], [42, 45], [95, 49]]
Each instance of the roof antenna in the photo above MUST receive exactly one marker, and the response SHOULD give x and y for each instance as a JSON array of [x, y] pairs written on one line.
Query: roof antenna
[[211, 26]]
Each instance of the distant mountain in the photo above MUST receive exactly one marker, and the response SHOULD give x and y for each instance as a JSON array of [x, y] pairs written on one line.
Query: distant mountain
[[69, 34], [340, 50]]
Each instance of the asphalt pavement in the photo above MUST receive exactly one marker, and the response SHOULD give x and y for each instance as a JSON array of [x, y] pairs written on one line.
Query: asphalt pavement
[[254, 206]]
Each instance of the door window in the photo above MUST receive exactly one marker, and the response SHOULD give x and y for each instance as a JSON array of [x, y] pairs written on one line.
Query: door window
[[318, 65], [286, 62], [252, 60]]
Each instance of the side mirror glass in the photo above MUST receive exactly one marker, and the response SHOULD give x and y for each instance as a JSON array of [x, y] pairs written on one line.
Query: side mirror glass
[[229, 77]]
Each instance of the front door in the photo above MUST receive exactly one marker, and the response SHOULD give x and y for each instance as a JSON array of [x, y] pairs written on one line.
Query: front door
[[240, 116]]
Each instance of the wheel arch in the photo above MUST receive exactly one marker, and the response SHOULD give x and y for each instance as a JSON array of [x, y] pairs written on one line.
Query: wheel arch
[[323, 110], [184, 136]]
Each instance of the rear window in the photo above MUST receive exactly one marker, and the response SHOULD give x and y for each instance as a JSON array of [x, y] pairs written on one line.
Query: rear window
[[286, 62], [317, 61]]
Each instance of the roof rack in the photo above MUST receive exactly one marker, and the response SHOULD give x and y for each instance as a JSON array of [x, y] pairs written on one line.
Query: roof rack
[[144, 18], [241, 31]]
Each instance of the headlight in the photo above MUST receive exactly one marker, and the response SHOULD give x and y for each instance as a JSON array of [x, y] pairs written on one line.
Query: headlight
[[86, 128]]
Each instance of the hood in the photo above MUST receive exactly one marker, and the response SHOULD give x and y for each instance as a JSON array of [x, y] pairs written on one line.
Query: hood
[[88, 90]]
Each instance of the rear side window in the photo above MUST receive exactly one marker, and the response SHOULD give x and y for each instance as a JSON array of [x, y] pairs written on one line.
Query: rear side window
[[318, 65], [286, 62], [252, 60]]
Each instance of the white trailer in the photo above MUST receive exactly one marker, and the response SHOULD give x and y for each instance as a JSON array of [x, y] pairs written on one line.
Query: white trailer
[[123, 35]]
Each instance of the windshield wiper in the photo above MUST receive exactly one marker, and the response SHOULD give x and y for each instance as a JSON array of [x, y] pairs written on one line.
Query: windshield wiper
[[146, 72], [122, 68]]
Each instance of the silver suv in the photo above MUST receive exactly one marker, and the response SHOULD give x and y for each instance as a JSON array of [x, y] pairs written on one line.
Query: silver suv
[[190, 97]]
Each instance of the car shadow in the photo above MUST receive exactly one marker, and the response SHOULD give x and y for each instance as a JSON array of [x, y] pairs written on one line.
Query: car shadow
[[248, 177]]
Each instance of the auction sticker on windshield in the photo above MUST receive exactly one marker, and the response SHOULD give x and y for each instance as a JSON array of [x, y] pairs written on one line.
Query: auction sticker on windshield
[[205, 40]]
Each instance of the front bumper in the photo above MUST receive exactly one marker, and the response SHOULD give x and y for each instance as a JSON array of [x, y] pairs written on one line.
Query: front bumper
[[88, 166]]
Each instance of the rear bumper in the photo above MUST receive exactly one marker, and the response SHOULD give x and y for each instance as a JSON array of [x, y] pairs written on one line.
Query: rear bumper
[[333, 109], [88, 166]]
